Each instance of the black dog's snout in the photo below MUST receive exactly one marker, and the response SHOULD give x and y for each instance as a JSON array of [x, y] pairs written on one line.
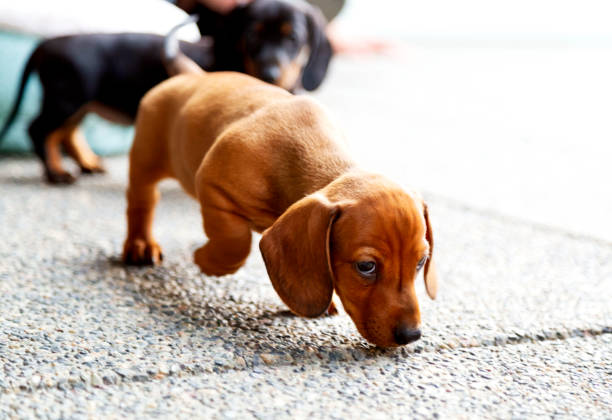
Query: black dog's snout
[[270, 74], [404, 335]]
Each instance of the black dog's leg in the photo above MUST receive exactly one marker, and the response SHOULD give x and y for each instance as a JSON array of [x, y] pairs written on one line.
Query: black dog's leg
[[47, 142], [48, 131], [37, 135], [77, 148]]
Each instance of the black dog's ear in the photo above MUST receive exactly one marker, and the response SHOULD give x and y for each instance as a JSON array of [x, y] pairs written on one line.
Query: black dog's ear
[[320, 51]]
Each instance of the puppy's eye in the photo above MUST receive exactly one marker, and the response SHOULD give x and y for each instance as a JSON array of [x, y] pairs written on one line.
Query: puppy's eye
[[421, 263], [366, 268]]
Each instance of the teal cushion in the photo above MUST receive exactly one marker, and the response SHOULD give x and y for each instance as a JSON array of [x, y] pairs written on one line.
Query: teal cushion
[[105, 138]]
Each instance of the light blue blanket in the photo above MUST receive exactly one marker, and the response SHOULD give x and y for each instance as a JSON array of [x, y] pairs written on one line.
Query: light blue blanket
[[104, 137]]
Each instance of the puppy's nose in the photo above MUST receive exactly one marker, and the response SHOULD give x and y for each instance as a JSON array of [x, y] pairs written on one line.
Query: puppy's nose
[[404, 335], [270, 74]]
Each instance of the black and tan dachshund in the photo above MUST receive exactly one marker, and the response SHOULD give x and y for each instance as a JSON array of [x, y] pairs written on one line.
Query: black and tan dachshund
[[280, 42]]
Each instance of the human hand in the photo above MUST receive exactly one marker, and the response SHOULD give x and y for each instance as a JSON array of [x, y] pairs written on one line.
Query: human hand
[[223, 6]]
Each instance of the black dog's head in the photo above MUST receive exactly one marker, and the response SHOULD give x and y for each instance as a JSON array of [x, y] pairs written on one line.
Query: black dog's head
[[278, 41]]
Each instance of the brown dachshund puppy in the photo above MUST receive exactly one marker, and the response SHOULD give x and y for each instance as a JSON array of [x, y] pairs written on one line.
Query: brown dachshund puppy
[[258, 158]]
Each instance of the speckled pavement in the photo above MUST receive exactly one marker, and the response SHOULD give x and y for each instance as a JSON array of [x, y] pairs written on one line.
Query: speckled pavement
[[513, 332], [522, 326]]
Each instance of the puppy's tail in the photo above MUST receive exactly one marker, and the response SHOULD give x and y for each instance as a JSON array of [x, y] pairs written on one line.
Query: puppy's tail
[[31, 65], [174, 60]]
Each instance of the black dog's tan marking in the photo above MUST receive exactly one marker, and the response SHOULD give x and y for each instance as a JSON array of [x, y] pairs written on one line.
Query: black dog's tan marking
[[110, 73], [286, 28]]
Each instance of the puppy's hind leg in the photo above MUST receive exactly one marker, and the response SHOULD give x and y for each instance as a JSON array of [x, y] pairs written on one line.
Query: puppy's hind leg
[[76, 146], [229, 235]]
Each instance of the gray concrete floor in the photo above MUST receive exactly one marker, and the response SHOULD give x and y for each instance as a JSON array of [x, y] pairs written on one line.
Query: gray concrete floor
[[509, 149]]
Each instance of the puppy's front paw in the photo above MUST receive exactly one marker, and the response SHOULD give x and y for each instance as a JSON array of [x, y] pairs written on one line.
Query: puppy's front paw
[[142, 252], [210, 265], [331, 310]]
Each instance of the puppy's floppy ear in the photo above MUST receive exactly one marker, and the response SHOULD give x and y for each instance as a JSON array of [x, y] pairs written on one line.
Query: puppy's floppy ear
[[296, 252], [430, 274], [320, 50]]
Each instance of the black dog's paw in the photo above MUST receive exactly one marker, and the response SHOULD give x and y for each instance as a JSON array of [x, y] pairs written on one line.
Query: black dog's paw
[[60, 178], [90, 170]]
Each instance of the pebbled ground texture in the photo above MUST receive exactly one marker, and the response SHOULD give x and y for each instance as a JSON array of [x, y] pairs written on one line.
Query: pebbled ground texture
[[521, 328], [513, 333]]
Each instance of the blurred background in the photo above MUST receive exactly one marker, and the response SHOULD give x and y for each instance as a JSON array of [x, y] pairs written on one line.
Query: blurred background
[[505, 106], [501, 106]]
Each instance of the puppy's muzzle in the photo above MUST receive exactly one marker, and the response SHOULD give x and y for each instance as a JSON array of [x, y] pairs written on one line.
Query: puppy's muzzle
[[404, 335], [270, 73]]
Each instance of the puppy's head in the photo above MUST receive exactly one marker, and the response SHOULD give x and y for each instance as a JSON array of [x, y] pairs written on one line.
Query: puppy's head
[[284, 43], [368, 246]]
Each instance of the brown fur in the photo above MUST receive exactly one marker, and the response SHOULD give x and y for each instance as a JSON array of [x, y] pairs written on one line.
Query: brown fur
[[292, 70], [53, 151], [72, 140], [70, 137], [258, 158], [289, 75], [77, 148]]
